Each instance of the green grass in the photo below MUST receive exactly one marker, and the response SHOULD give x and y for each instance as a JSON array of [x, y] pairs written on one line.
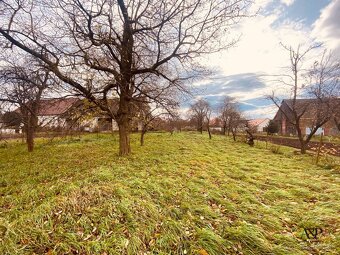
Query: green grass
[[179, 194]]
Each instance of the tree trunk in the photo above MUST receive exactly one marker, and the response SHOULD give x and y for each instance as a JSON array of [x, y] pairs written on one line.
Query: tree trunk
[[124, 129], [200, 126], [303, 147], [224, 129], [124, 138], [250, 139], [142, 137], [302, 142], [30, 127], [30, 138], [209, 132], [234, 135], [126, 84]]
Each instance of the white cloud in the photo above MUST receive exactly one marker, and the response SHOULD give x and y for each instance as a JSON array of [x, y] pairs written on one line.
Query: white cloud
[[259, 48], [259, 51], [287, 2], [327, 28], [260, 4], [261, 112]]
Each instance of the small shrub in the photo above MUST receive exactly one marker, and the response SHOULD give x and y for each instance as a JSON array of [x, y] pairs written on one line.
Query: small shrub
[[330, 162], [3, 145], [272, 127], [275, 149]]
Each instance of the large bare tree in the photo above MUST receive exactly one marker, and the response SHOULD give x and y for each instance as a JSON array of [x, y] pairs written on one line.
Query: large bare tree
[[109, 48]]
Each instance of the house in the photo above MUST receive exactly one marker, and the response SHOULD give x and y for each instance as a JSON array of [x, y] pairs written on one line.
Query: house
[[5, 129], [309, 109], [10, 123], [216, 125], [70, 113], [73, 113], [259, 125]]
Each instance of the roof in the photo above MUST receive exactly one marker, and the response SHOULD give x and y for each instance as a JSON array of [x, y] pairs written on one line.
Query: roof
[[216, 122], [307, 107], [56, 106], [299, 103], [256, 122]]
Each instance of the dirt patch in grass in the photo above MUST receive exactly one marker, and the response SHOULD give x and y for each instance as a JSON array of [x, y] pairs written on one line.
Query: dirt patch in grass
[[326, 148]]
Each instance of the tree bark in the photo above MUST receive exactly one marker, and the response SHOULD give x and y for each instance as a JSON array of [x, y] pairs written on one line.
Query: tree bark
[[30, 138], [142, 137], [123, 122], [30, 127], [303, 148], [302, 143], [234, 135], [124, 138], [209, 132]]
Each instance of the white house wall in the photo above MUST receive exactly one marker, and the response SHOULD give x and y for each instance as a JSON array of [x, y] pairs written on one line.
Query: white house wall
[[261, 126], [8, 131], [114, 125], [52, 121]]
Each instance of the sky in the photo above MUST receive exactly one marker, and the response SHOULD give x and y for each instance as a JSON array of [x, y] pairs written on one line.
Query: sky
[[246, 70]]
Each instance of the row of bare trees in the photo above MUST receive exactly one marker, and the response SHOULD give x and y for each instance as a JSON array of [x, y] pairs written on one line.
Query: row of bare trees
[[134, 51], [227, 114]]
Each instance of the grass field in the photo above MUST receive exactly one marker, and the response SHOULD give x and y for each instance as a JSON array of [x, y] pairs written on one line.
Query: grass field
[[179, 194]]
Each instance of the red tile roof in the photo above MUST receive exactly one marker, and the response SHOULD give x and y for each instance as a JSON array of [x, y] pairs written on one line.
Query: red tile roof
[[256, 122], [56, 106]]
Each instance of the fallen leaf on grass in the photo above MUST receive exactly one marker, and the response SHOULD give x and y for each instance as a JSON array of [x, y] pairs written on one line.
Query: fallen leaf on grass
[[203, 252]]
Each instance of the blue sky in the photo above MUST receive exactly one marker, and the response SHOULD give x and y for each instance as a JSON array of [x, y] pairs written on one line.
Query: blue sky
[[246, 70]]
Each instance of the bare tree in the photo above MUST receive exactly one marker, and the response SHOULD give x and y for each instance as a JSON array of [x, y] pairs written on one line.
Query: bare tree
[[231, 116], [150, 114], [236, 122], [173, 122], [208, 118], [110, 48], [324, 80], [23, 85], [227, 109], [199, 112], [318, 79]]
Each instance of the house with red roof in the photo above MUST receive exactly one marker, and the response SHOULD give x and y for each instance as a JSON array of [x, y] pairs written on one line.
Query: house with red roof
[[65, 114], [73, 113], [259, 125], [309, 110]]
